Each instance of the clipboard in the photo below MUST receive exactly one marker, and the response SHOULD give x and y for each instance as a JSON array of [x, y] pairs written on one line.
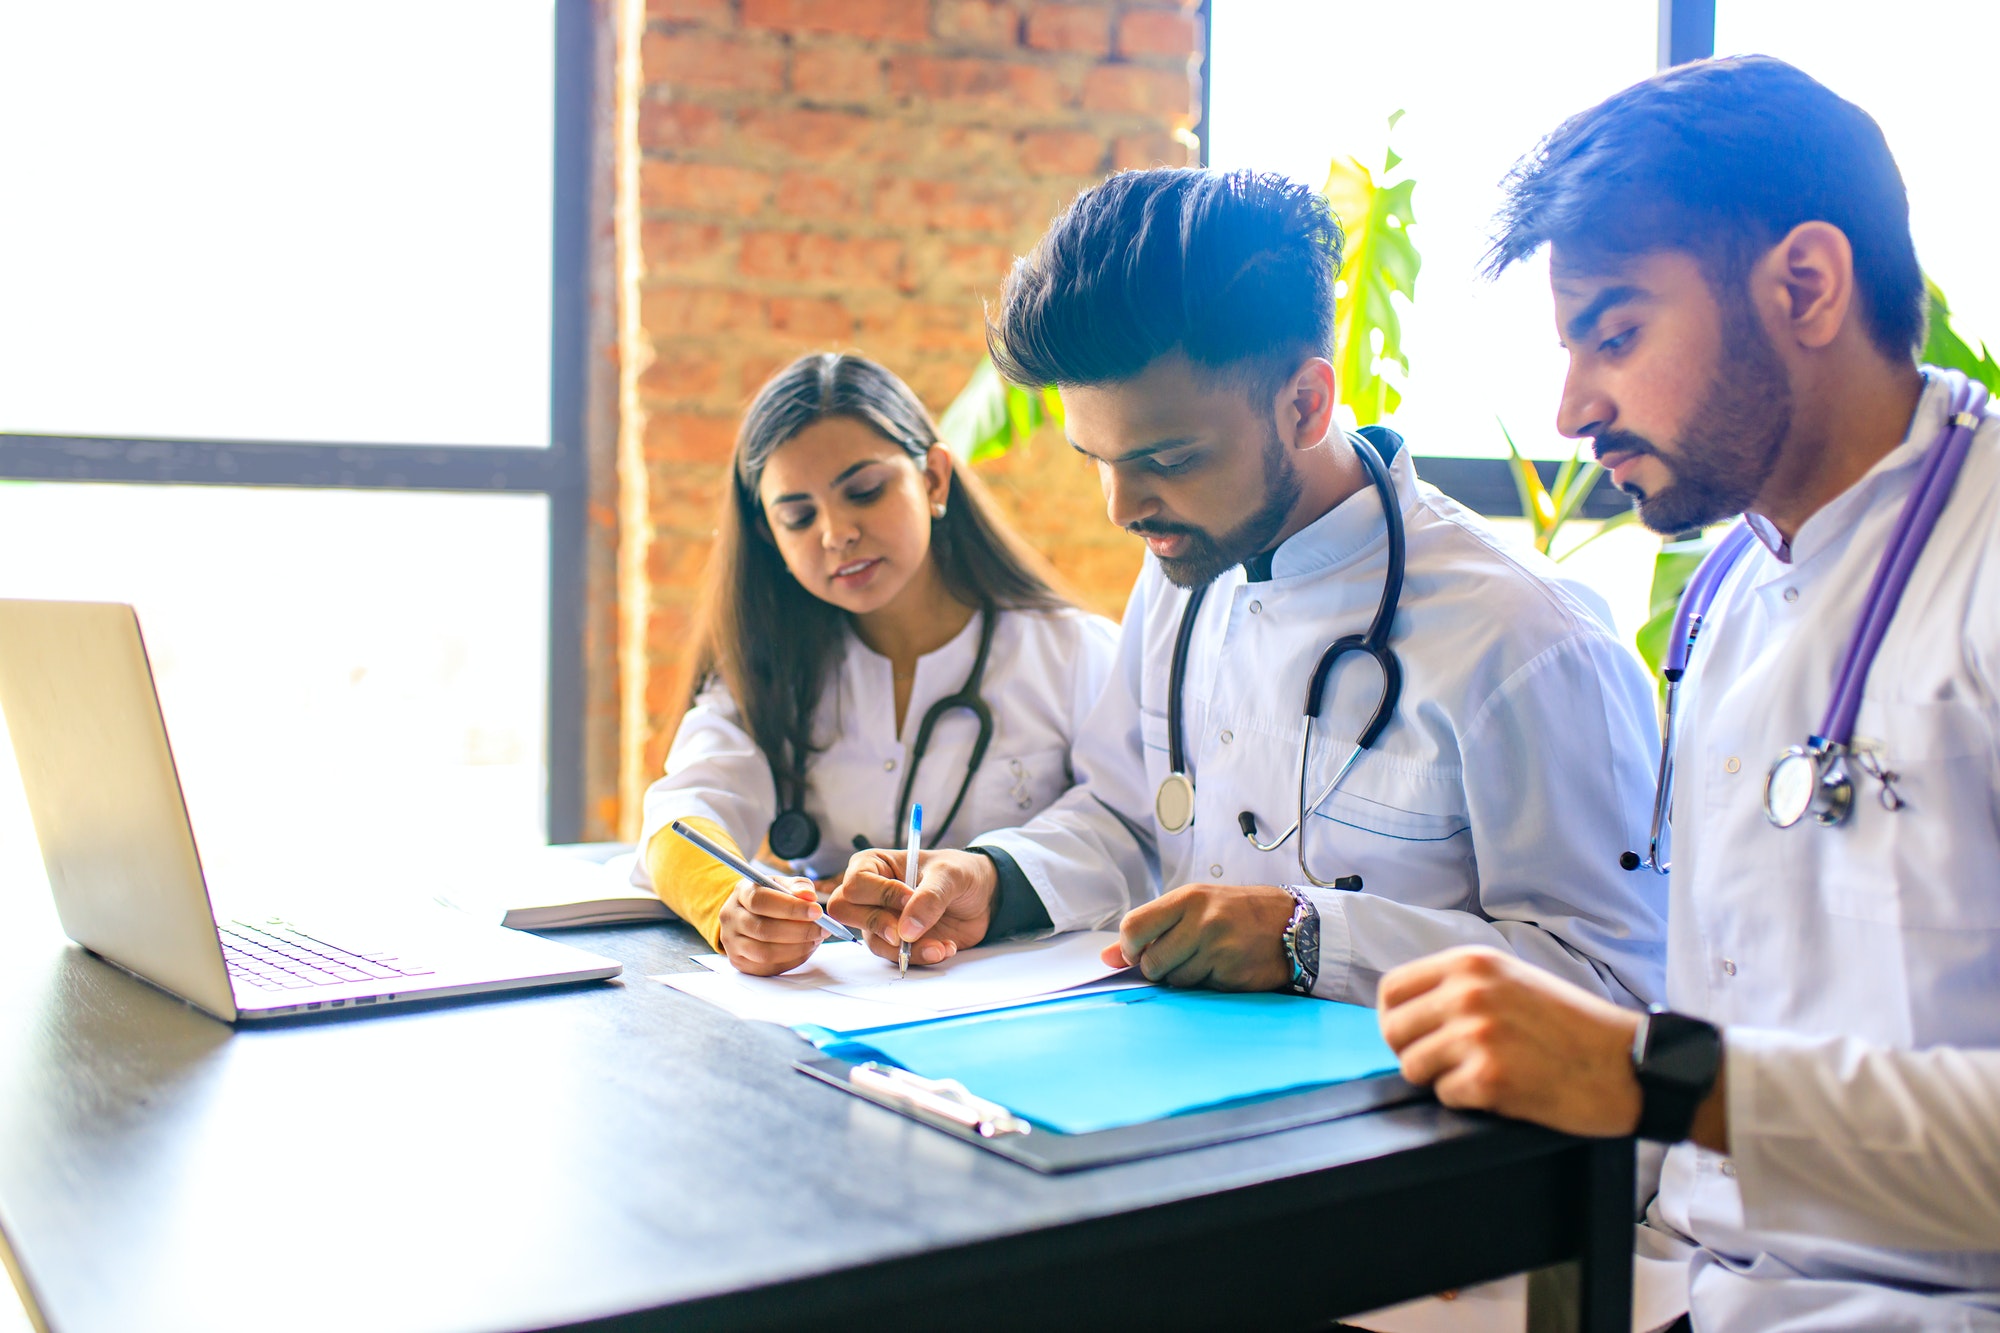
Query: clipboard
[[1086, 1080], [1053, 1153]]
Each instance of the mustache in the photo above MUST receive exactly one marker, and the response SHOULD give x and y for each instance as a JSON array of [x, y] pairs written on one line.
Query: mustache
[[1159, 528], [1621, 442]]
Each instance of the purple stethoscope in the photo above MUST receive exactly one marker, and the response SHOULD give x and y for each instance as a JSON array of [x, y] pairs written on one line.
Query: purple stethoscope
[[1814, 778]]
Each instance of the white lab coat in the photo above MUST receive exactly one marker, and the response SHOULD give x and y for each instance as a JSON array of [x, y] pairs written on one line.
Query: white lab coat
[[1491, 811], [1855, 969], [1045, 671]]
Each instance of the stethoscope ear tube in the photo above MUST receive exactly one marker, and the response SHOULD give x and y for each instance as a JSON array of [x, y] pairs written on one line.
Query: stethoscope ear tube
[[1695, 600]]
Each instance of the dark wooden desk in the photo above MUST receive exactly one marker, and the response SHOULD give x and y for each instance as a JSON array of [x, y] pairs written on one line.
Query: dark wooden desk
[[621, 1156]]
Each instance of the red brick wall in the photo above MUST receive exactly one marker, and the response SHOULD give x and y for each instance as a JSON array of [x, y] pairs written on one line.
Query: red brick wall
[[857, 175]]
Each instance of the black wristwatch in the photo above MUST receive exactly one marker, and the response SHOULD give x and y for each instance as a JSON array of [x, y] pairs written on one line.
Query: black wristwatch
[[1302, 943], [1676, 1060]]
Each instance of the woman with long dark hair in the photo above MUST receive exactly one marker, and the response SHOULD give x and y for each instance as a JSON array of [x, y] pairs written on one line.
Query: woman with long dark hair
[[869, 636]]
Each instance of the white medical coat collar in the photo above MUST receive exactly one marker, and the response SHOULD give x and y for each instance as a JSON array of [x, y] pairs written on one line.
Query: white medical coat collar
[[962, 644], [1837, 515], [1345, 531]]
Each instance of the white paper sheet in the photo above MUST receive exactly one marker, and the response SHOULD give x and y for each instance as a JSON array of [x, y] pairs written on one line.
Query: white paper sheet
[[741, 996], [845, 988], [991, 974]]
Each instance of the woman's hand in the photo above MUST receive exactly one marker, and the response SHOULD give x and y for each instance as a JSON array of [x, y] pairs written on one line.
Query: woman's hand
[[763, 932]]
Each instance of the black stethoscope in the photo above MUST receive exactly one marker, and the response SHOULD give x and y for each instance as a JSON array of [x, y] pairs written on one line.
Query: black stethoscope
[[1173, 803], [794, 834]]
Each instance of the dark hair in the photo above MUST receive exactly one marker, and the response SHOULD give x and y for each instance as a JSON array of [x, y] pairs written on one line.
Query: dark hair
[[769, 641], [1233, 269], [1720, 159]]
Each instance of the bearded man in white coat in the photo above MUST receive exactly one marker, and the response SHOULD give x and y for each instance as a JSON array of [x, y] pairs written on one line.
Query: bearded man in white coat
[[1736, 286], [1186, 317]]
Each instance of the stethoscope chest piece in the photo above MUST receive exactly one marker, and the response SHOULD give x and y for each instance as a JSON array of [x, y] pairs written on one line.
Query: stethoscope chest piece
[[1809, 779], [1173, 803], [794, 835]]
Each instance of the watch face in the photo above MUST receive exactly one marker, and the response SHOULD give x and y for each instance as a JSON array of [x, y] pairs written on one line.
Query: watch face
[[1788, 791], [1681, 1051]]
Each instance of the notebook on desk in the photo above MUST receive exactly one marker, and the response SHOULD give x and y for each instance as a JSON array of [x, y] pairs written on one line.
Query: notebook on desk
[[555, 888], [77, 691]]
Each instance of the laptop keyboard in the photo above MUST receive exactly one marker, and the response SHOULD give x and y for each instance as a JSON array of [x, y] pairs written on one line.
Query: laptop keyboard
[[277, 956]]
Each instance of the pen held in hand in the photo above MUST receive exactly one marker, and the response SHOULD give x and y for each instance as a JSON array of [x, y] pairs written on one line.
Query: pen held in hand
[[910, 878], [754, 875]]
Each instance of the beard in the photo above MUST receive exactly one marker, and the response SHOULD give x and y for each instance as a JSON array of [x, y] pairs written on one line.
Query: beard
[[1208, 555], [1727, 451]]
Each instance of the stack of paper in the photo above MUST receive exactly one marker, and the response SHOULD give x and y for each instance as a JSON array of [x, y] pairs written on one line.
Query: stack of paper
[[844, 988]]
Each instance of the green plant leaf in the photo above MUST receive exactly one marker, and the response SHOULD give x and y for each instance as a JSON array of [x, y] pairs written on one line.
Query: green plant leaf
[[1381, 262], [1023, 414], [978, 415], [1651, 641], [1537, 505], [1612, 524], [1943, 347], [1582, 480], [1672, 568], [991, 416]]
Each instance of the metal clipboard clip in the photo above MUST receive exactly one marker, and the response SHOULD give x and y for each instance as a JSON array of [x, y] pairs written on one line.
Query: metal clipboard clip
[[945, 1098]]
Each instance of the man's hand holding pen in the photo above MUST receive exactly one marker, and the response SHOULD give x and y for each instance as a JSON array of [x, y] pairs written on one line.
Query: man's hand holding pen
[[949, 910]]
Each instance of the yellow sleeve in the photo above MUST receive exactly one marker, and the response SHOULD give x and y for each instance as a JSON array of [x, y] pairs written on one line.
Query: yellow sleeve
[[691, 881]]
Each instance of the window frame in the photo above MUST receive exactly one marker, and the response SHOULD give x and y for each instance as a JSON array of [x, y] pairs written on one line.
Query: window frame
[[1486, 485], [559, 471]]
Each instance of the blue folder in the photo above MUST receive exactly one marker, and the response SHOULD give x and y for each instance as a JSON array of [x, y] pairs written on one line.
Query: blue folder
[[1112, 1059]]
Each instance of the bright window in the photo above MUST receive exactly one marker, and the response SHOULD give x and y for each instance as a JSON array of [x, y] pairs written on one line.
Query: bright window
[[276, 221], [1917, 73], [233, 220], [338, 669], [1296, 84], [1479, 85]]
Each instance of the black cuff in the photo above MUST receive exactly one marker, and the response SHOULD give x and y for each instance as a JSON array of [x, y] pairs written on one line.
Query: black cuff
[[1017, 908]]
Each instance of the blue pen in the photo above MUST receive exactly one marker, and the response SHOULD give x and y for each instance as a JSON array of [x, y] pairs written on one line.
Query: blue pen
[[910, 878], [754, 875]]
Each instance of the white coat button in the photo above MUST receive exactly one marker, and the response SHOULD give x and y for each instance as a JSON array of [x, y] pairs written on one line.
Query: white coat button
[[1228, 736], [1732, 764], [1791, 594], [1215, 871], [888, 766], [1729, 1169], [1256, 608], [1729, 967]]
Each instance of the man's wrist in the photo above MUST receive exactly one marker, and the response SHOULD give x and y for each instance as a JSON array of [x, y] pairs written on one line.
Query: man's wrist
[[1300, 942], [1012, 905], [1677, 1062], [1711, 1118]]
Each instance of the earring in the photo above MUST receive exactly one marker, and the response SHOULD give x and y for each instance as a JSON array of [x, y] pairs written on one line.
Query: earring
[[937, 511]]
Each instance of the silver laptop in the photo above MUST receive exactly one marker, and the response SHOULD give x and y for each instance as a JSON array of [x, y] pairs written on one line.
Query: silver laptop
[[78, 694]]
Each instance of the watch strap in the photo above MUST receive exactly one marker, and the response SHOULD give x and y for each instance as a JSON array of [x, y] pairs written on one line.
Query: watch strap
[[1301, 940], [1676, 1060]]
